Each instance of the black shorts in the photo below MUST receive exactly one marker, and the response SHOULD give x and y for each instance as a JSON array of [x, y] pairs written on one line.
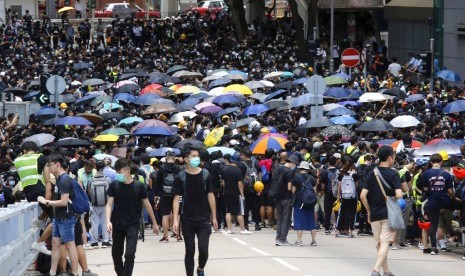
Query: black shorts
[[33, 191], [266, 200], [78, 233], [234, 205], [166, 205]]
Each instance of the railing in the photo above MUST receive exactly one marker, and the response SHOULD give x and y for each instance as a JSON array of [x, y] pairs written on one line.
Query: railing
[[16, 237]]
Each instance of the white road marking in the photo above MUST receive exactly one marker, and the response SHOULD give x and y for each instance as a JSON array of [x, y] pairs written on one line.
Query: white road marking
[[240, 241], [259, 251], [285, 264]]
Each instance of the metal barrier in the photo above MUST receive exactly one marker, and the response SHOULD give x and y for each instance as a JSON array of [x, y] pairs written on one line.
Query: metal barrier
[[16, 237]]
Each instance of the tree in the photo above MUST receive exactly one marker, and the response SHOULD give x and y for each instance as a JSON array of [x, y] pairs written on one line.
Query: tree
[[303, 51], [238, 18]]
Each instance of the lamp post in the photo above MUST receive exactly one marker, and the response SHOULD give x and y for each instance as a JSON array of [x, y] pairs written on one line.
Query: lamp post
[[365, 68], [331, 61]]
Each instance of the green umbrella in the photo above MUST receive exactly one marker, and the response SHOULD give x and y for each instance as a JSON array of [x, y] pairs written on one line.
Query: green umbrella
[[101, 99], [115, 131], [334, 80]]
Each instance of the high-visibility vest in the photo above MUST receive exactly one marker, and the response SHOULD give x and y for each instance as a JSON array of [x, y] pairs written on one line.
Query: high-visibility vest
[[402, 172], [350, 150], [416, 195], [27, 168]]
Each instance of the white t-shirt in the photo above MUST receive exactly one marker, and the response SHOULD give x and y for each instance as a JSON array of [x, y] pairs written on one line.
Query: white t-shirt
[[394, 68]]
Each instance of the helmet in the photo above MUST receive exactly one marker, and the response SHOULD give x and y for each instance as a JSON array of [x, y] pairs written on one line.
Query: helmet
[[183, 36], [444, 155], [459, 172], [63, 105], [258, 186], [401, 203], [337, 206], [359, 206], [424, 225]]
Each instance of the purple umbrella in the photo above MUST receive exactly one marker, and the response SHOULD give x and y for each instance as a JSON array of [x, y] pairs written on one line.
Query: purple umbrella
[[73, 121], [211, 109]]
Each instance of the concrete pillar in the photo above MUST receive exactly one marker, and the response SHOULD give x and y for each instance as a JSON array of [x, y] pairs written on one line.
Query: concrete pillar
[[168, 8]]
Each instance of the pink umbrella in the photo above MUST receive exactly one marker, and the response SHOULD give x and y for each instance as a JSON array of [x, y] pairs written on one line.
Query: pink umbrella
[[151, 123], [124, 82], [204, 104]]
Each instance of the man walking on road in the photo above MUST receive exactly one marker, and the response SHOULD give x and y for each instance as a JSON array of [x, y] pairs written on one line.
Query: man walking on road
[[128, 196], [198, 209], [375, 204]]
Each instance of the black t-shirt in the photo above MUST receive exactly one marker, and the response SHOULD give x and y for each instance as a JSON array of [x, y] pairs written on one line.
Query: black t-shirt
[[375, 196], [128, 203], [195, 197], [232, 175], [64, 185]]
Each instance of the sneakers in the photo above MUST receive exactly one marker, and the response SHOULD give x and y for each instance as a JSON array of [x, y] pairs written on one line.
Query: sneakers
[[41, 247], [313, 243], [246, 232], [394, 247], [434, 251], [444, 249], [164, 240], [404, 245], [41, 224], [426, 250], [200, 272], [88, 246], [229, 232], [463, 257], [282, 243], [388, 274], [257, 227], [327, 232], [94, 245], [375, 273], [106, 244], [89, 273], [297, 243], [421, 246]]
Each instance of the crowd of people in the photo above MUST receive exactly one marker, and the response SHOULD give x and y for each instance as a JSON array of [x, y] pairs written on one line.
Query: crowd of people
[[267, 159]]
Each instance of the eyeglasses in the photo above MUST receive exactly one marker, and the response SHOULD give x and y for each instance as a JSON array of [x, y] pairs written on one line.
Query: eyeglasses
[[50, 164]]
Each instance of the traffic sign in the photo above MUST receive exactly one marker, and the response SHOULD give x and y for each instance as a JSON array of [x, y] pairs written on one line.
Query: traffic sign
[[350, 57], [44, 99], [316, 85], [56, 84]]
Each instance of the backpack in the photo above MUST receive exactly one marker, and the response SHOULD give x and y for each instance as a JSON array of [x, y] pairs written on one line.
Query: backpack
[[182, 176], [168, 182], [265, 173], [80, 203], [348, 188], [332, 182], [250, 177], [97, 190], [214, 168], [361, 173], [199, 135], [277, 182], [307, 197]]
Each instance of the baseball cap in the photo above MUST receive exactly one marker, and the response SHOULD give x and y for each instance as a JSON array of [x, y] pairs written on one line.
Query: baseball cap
[[236, 157]]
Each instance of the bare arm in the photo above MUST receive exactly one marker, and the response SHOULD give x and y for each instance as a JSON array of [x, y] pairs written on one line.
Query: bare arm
[[176, 211], [108, 208], [241, 187], [149, 209], [212, 203]]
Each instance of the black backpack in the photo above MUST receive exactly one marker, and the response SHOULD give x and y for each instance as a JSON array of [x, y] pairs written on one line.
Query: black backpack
[[214, 168], [277, 188], [307, 196], [199, 135], [168, 181]]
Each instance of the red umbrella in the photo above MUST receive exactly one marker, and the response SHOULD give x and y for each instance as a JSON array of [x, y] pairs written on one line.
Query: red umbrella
[[153, 88], [435, 141], [415, 144]]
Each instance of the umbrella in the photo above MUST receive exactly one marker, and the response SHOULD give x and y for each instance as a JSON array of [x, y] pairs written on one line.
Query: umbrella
[[93, 118], [355, 94], [203, 104], [228, 110], [160, 152], [83, 65], [211, 109], [190, 142], [300, 81], [267, 83], [175, 68], [151, 123], [415, 98], [214, 137], [112, 115], [255, 109], [127, 88], [14, 90], [334, 80], [50, 122], [111, 106], [200, 95], [153, 131], [93, 82], [285, 85], [254, 84], [273, 75], [333, 130], [330, 106], [342, 75], [318, 122], [344, 120], [268, 141], [73, 142], [396, 92], [115, 131], [236, 77], [399, 145], [40, 139], [187, 74], [31, 95], [239, 88], [337, 93], [340, 111], [224, 150], [259, 96], [275, 104], [302, 100], [101, 99], [275, 94], [187, 89], [219, 82], [229, 99], [243, 122], [352, 103], [231, 72], [106, 138], [103, 156], [451, 149], [447, 141], [216, 91], [188, 104], [125, 97], [384, 142], [159, 108], [455, 106], [210, 78], [73, 121], [64, 9], [448, 76], [86, 99], [47, 113], [146, 99], [178, 117], [404, 121], [371, 97], [63, 98], [375, 125], [130, 120]]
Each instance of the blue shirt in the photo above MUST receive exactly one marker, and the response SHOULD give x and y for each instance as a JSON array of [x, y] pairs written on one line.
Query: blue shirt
[[438, 182]]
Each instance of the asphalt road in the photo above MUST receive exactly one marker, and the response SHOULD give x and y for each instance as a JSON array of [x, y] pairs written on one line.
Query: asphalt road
[[256, 254]]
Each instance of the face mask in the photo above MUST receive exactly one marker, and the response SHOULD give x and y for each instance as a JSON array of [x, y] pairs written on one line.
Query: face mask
[[194, 162], [13, 170], [249, 136], [120, 177], [12, 183]]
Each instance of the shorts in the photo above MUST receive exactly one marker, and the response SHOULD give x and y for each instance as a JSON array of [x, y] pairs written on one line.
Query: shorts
[[320, 203], [234, 205], [381, 231], [166, 205], [445, 219], [265, 200], [33, 191], [64, 229], [78, 233]]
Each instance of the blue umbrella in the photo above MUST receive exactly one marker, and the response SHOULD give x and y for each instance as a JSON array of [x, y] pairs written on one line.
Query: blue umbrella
[[163, 151], [352, 103], [153, 131], [300, 81], [188, 104], [238, 72], [130, 120], [302, 100], [415, 98], [448, 75], [48, 112], [386, 141], [228, 111], [30, 95], [224, 150], [219, 82], [86, 99], [111, 106], [342, 76], [229, 99], [73, 121], [355, 94], [146, 99], [125, 97], [340, 111], [275, 94], [255, 109], [455, 106], [200, 95], [337, 92], [343, 120]]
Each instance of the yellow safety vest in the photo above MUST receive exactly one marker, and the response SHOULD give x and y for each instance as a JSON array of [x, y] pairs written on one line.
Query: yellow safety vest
[[416, 195], [27, 168], [350, 150]]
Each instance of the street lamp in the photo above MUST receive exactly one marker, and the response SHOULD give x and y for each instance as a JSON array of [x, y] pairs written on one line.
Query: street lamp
[[367, 46], [331, 61]]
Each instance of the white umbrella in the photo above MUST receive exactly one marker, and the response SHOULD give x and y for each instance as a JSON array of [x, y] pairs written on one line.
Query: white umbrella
[[221, 73], [273, 75], [254, 84], [212, 77], [331, 106], [372, 97], [40, 139], [404, 121], [267, 83], [178, 117], [451, 149], [259, 96], [217, 91]]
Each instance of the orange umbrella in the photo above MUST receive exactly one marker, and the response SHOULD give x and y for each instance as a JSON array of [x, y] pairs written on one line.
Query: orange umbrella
[[153, 88], [268, 141], [415, 144]]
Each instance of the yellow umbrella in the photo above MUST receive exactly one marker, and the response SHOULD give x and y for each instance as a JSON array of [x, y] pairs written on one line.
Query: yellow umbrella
[[187, 89], [106, 138], [238, 88], [214, 137], [65, 9]]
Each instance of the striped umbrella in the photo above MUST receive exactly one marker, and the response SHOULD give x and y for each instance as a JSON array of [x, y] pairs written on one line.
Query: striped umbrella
[[268, 142]]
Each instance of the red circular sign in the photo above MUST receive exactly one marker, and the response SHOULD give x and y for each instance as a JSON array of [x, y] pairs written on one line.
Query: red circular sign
[[350, 57]]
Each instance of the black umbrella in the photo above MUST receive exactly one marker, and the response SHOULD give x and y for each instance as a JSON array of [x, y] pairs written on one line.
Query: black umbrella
[[228, 110], [112, 115], [337, 129], [190, 142], [133, 75], [275, 104], [73, 143], [175, 69], [318, 122], [243, 122], [14, 90], [376, 125], [52, 122], [396, 92], [127, 88], [285, 85]]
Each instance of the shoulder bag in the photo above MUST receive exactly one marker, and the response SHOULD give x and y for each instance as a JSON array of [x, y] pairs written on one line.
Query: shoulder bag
[[395, 220]]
